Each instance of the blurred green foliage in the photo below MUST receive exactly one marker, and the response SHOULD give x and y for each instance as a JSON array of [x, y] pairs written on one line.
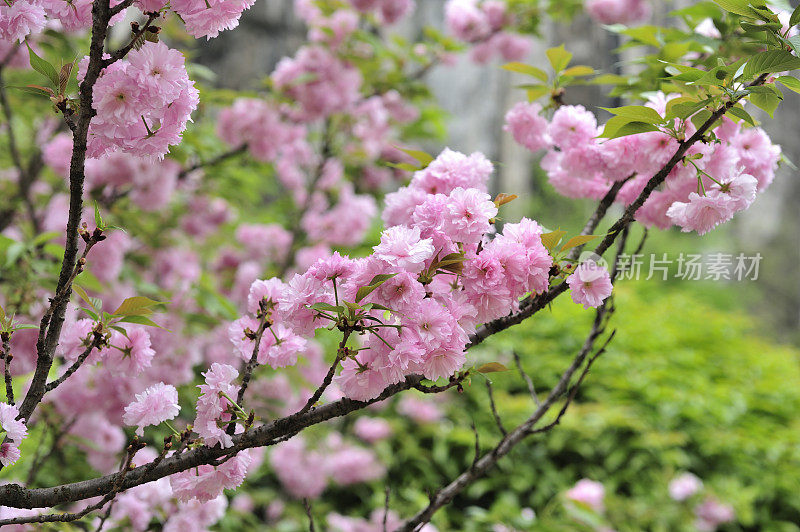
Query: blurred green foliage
[[688, 384]]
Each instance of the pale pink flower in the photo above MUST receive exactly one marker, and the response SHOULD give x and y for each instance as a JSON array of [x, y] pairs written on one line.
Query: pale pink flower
[[372, 429], [527, 126], [468, 214], [572, 126], [711, 513], [589, 493], [129, 354], [9, 453], [701, 213], [299, 469], [590, 284], [15, 430], [684, 486], [156, 404], [401, 246], [452, 169], [466, 20], [20, 19]]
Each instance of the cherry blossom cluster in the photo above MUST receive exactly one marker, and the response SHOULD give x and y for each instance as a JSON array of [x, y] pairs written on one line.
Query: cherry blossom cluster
[[305, 472], [627, 12], [483, 24], [435, 276], [342, 19], [143, 103], [717, 179], [202, 19], [441, 270]]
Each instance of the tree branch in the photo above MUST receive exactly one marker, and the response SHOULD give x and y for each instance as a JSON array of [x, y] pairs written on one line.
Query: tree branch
[[213, 161], [50, 330], [6, 357]]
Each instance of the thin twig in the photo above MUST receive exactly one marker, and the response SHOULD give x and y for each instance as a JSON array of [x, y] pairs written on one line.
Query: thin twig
[[307, 506], [137, 36], [213, 161], [477, 447], [526, 378], [247, 373], [386, 506], [7, 357], [73, 368], [495, 414], [340, 353]]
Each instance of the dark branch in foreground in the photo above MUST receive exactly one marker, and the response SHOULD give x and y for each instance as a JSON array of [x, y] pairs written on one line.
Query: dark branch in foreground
[[50, 328]]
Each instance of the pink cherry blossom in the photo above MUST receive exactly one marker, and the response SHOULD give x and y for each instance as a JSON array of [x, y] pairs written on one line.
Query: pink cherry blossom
[[684, 486], [156, 404], [590, 284], [589, 493], [527, 126], [401, 246]]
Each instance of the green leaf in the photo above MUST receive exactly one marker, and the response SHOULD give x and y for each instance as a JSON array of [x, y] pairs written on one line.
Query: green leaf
[[2, 314], [25, 326], [740, 113], [578, 70], [83, 295], [795, 18], [770, 61], [34, 89], [551, 239], [737, 7], [92, 314], [683, 108], [327, 307], [120, 330], [43, 67], [699, 118], [98, 220], [403, 166], [376, 281], [559, 58], [140, 320], [537, 91], [622, 126], [576, 241], [790, 83], [529, 70], [609, 79], [491, 367], [766, 101], [423, 158], [794, 41], [136, 306], [637, 113], [14, 252]]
